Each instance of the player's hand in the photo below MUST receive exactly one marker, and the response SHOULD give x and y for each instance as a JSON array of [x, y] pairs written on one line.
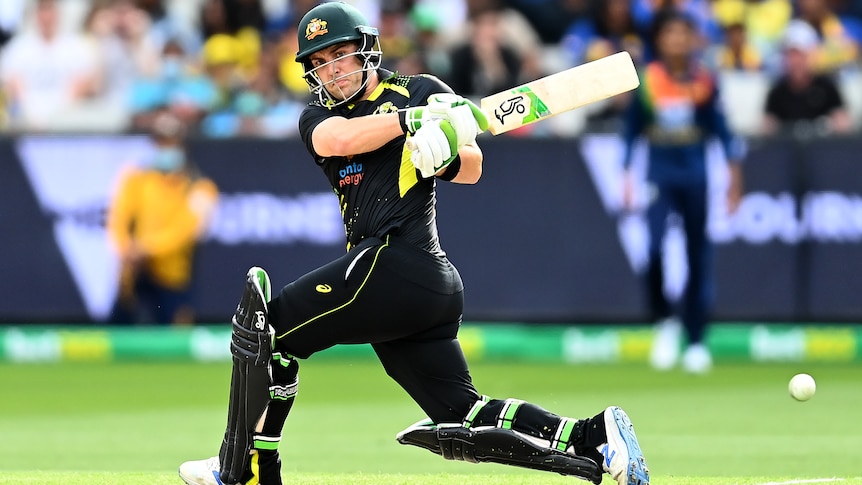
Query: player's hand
[[433, 147], [734, 188], [467, 119]]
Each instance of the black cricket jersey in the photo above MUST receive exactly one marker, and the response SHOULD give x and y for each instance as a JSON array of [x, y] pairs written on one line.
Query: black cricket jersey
[[380, 192]]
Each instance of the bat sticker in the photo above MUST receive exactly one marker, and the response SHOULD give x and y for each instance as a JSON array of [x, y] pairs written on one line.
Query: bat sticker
[[538, 109], [508, 107]]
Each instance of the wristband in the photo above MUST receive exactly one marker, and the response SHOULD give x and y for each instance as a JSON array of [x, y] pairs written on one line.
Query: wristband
[[402, 119], [451, 170]]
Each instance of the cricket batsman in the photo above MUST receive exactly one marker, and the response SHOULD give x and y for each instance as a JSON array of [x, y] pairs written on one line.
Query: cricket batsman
[[395, 287]]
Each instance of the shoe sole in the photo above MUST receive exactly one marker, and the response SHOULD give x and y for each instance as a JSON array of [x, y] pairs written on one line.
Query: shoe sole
[[194, 481], [637, 472]]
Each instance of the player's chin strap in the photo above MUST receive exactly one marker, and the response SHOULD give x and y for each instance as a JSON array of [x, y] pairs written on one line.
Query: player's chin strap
[[501, 444]]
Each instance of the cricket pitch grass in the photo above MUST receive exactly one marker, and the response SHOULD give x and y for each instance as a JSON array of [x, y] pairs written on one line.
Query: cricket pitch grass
[[134, 423]]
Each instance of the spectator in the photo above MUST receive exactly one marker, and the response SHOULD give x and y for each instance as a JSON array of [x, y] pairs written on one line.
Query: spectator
[[550, 18], [117, 35], [736, 53], [676, 111], [263, 107], [179, 87], [154, 221], [608, 30], [222, 56], [802, 95], [242, 22], [706, 28], [764, 22], [45, 72], [290, 72], [837, 48], [518, 33], [395, 37], [484, 64], [611, 28], [164, 27], [430, 55]]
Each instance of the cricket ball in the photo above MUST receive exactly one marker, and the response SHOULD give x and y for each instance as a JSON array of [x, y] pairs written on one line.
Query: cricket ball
[[802, 387]]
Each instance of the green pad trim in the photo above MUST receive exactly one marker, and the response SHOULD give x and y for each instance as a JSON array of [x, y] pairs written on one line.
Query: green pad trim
[[266, 445], [507, 414]]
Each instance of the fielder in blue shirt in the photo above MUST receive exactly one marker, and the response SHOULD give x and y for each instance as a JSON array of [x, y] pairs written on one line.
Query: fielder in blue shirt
[[677, 112]]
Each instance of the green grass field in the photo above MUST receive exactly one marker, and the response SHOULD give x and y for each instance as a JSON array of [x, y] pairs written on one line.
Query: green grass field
[[134, 423]]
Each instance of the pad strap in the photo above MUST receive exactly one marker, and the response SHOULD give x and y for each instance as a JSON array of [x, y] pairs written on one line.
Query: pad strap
[[474, 411], [507, 414], [563, 434]]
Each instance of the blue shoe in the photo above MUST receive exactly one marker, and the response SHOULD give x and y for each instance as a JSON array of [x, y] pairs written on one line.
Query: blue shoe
[[622, 458]]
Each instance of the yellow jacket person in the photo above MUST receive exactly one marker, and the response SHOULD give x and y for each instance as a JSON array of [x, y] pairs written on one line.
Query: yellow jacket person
[[155, 220]]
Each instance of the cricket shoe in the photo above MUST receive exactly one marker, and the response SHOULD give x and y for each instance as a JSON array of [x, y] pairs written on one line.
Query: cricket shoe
[[265, 469], [697, 359], [201, 472], [665, 347], [621, 455]]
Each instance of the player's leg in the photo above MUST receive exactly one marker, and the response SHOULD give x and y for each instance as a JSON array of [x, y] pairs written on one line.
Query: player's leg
[[668, 331], [262, 390], [462, 426], [360, 297], [698, 291]]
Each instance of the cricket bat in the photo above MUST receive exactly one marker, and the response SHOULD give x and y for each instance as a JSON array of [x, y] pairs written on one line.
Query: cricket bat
[[560, 92]]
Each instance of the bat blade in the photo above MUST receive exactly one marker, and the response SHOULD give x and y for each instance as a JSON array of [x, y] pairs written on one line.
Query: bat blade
[[560, 92]]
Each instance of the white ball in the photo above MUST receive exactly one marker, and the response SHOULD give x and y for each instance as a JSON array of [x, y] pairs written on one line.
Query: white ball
[[802, 387]]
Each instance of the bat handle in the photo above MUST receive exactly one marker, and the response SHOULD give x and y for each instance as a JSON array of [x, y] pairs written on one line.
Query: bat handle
[[410, 144]]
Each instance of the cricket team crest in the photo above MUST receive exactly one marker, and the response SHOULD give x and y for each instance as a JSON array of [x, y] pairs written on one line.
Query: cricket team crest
[[387, 107], [315, 28]]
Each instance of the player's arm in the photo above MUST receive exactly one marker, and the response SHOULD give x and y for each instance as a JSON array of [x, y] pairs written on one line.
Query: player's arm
[[468, 168], [121, 213], [734, 150], [634, 125], [340, 137]]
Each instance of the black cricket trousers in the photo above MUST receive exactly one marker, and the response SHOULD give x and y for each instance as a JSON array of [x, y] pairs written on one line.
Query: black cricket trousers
[[404, 301]]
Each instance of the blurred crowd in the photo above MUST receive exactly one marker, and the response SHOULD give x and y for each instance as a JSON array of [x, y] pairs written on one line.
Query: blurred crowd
[[226, 67]]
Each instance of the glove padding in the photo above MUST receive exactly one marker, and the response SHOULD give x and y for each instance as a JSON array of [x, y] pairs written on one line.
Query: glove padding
[[466, 118], [433, 147]]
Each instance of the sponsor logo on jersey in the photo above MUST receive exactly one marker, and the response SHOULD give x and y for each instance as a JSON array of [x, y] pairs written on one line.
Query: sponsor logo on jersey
[[323, 288], [315, 28], [350, 175]]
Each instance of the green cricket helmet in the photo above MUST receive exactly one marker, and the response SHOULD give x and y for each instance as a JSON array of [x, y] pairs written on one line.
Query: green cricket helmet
[[329, 24]]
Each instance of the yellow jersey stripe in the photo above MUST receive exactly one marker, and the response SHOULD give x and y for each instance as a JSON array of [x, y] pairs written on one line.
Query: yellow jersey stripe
[[407, 177]]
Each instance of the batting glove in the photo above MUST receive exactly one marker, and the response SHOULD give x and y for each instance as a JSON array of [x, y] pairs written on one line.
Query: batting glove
[[414, 118], [433, 147], [466, 118]]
